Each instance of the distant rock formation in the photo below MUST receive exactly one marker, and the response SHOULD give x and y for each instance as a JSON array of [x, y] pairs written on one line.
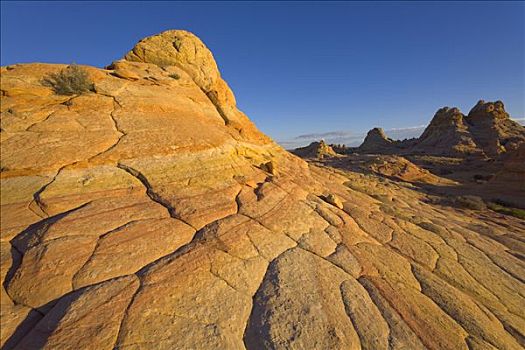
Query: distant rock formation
[[446, 134], [377, 141], [513, 169], [493, 130], [402, 169], [487, 131], [339, 148], [315, 150], [505, 183]]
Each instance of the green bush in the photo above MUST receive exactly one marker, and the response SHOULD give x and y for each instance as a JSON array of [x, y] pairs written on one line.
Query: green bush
[[174, 76], [519, 213], [72, 80]]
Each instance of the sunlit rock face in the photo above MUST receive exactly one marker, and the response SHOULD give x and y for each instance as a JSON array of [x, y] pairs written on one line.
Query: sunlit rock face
[[377, 141], [151, 213], [315, 150], [447, 134], [487, 131], [493, 130]]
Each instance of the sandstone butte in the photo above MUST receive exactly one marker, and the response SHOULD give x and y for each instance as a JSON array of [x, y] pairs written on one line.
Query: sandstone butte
[[486, 132], [318, 150], [152, 214]]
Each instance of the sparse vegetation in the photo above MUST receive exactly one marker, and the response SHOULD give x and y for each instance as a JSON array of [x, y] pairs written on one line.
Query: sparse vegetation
[[470, 202], [72, 80], [519, 213], [174, 76]]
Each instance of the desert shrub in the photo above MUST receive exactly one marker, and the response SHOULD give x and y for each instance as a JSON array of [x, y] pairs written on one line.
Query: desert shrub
[[72, 80], [174, 76], [470, 202], [519, 213]]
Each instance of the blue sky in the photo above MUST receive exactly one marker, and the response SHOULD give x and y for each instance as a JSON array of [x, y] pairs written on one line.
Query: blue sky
[[306, 68]]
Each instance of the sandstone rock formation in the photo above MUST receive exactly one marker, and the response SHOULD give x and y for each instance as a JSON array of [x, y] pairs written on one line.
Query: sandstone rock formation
[[402, 169], [513, 166], [184, 50], [493, 130], [509, 180], [447, 134], [377, 141], [315, 150], [151, 213], [487, 131]]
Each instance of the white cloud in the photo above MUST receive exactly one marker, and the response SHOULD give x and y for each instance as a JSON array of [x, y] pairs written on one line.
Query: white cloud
[[319, 136], [408, 128]]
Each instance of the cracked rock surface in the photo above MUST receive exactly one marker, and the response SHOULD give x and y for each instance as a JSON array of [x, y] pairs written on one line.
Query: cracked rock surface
[[145, 215]]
